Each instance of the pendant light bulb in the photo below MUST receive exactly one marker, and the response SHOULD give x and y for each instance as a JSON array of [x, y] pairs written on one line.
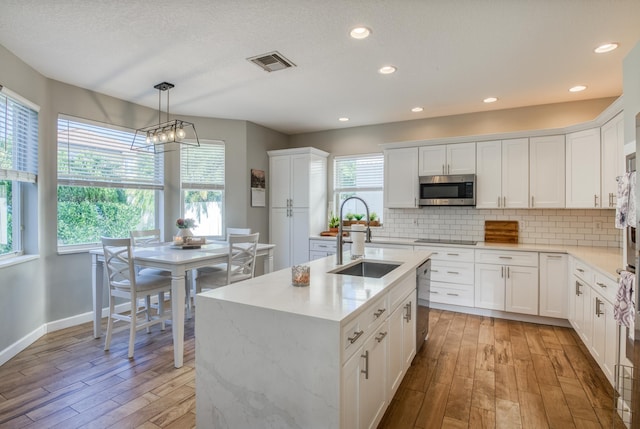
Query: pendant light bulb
[[180, 133], [171, 134]]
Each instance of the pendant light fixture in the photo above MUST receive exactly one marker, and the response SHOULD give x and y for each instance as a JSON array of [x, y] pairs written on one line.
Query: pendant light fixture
[[165, 136]]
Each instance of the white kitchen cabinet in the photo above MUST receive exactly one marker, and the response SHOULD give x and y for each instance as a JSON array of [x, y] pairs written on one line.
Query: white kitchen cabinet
[[553, 289], [458, 158], [583, 169], [452, 275], [402, 342], [612, 137], [604, 343], [320, 248], [582, 322], [507, 281], [547, 172], [401, 178], [503, 174], [297, 201]]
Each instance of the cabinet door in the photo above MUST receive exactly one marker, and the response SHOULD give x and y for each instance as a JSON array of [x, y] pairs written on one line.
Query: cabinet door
[[489, 175], [611, 345], [583, 169], [547, 172], [401, 177], [410, 315], [521, 289], [299, 231], [432, 160], [612, 134], [280, 177], [350, 399], [515, 173], [299, 180], [584, 314], [395, 354], [490, 286], [280, 235], [461, 158], [373, 381], [553, 285]]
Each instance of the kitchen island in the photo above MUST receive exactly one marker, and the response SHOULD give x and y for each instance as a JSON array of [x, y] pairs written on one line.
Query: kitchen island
[[329, 355]]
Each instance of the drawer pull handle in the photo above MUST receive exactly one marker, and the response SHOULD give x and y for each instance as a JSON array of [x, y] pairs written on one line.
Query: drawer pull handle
[[434, 253], [379, 312], [580, 269], [602, 285], [505, 257], [355, 337], [453, 254], [452, 272], [380, 337], [554, 256], [435, 292], [452, 294], [434, 271]]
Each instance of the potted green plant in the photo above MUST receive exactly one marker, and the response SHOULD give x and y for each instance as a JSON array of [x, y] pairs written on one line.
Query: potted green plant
[[349, 220], [358, 218], [334, 223], [373, 219]]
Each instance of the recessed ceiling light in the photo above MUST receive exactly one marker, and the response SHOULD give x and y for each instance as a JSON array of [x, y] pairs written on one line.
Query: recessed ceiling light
[[605, 47], [343, 119], [577, 88], [360, 32], [387, 70], [417, 109], [490, 100]]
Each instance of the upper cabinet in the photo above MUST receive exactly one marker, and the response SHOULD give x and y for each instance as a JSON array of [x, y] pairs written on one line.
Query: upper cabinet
[[401, 177], [612, 135], [546, 172], [503, 174], [459, 158], [583, 169]]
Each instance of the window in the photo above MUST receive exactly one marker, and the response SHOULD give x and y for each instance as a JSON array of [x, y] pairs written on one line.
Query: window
[[18, 168], [104, 188], [202, 178], [361, 176]]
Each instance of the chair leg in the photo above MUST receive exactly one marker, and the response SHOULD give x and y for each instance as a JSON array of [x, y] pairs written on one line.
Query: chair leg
[[147, 312], [161, 308], [107, 341], [132, 327]]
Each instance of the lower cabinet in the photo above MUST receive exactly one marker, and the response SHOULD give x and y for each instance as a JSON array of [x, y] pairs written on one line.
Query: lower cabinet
[[507, 281], [373, 373], [553, 280]]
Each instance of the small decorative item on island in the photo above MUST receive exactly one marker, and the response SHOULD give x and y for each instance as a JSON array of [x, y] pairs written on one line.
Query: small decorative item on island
[[300, 275], [184, 230]]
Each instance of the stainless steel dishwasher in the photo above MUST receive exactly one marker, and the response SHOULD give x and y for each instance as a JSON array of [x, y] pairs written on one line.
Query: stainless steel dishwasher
[[423, 282]]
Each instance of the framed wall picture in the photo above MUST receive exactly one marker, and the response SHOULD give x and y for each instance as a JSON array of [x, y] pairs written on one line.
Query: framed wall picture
[[258, 188]]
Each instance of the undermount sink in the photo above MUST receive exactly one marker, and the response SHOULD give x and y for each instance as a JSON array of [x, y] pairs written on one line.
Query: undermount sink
[[367, 269]]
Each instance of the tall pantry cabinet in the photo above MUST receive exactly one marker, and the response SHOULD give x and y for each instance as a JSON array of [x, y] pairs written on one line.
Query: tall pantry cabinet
[[297, 202]]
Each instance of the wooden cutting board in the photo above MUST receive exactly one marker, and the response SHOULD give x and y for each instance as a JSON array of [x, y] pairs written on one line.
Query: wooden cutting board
[[501, 231]]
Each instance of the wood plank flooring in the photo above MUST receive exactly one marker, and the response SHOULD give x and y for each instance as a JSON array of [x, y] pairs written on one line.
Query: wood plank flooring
[[474, 372]]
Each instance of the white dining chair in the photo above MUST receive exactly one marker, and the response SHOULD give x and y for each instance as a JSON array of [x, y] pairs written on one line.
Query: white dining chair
[[125, 283], [240, 266]]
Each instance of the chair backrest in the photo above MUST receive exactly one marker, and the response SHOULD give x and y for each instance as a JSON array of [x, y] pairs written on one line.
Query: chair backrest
[[238, 231], [242, 257], [147, 237], [118, 259]]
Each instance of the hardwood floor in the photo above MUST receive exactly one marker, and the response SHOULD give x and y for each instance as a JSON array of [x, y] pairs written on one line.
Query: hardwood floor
[[473, 372], [481, 372]]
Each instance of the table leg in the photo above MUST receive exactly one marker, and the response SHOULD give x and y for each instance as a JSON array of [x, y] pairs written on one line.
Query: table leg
[[178, 296], [268, 262], [97, 280]]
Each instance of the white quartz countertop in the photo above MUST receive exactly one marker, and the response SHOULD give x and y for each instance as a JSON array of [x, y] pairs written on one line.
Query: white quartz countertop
[[605, 259], [329, 296]]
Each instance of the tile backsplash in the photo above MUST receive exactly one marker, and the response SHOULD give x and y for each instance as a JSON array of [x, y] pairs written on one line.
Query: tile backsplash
[[572, 227]]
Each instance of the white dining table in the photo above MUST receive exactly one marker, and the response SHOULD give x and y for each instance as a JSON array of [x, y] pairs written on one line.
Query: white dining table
[[178, 261]]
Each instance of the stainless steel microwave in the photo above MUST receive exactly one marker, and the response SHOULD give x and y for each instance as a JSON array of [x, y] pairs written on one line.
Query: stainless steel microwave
[[448, 190]]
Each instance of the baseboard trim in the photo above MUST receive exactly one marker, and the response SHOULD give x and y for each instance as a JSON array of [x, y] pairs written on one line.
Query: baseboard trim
[[503, 315], [21, 344]]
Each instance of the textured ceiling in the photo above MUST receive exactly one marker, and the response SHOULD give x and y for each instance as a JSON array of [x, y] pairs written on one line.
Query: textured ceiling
[[450, 54]]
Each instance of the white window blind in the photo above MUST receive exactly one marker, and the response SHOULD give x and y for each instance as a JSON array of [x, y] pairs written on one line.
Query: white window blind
[[358, 173], [203, 167], [99, 155], [18, 140]]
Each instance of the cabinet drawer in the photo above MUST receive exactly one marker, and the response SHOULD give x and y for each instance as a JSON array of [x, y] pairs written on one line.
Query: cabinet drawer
[[323, 246], [354, 333], [526, 259], [400, 292], [606, 286], [583, 271], [452, 272], [445, 294], [313, 255], [449, 254]]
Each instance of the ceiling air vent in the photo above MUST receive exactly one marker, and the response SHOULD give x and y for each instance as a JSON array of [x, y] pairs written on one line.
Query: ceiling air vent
[[273, 61]]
